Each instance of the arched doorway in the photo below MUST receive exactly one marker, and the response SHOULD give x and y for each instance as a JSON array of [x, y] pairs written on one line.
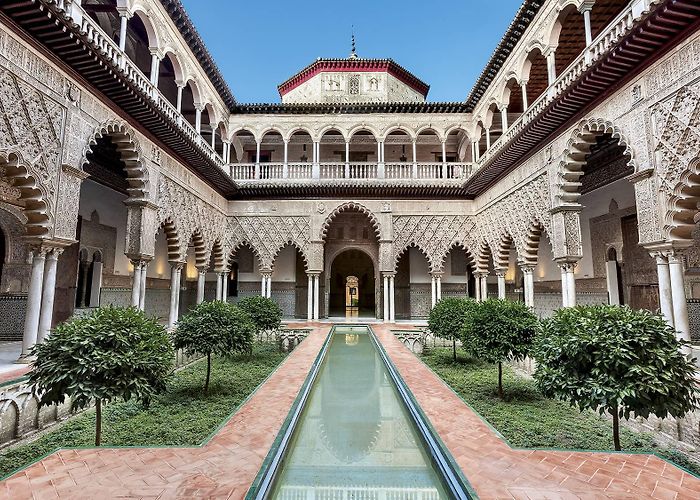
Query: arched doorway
[[348, 264]]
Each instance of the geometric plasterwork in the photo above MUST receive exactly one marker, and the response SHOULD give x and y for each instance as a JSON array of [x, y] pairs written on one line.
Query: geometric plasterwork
[[31, 125], [267, 235], [677, 130], [515, 215], [433, 235], [190, 215]]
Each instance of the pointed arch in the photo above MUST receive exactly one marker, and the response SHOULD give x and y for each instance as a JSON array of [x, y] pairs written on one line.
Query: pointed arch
[[413, 244], [528, 254], [471, 258], [129, 150], [196, 240], [172, 237], [350, 206], [579, 145], [501, 259], [290, 243], [33, 194], [218, 255], [483, 257], [251, 247]]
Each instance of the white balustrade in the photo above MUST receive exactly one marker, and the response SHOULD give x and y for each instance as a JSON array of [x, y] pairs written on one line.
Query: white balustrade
[[271, 170], [332, 170], [401, 170], [363, 170], [242, 171], [600, 46], [300, 170], [73, 11]]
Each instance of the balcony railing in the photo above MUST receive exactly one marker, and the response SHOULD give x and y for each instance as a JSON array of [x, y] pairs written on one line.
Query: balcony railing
[[351, 170], [598, 49], [121, 63]]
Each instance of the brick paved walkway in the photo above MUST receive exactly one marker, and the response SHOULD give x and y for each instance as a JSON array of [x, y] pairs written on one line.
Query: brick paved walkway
[[223, 468], [226, 465], [497, 471]]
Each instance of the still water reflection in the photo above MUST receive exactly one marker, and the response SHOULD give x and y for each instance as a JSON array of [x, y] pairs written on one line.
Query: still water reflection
[[355, 439]]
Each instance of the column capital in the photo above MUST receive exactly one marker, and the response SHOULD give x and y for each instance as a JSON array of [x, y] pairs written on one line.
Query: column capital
[[389, 274], [567, 266], [177, 264], [527, 269], [125, 12], [437, 274], [501, 273], [586, 6]]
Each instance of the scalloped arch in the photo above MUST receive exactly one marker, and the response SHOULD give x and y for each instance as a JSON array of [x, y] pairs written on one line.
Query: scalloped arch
[[24, 177], [579, 145], [350, 206], [130, 150], [293, 244]]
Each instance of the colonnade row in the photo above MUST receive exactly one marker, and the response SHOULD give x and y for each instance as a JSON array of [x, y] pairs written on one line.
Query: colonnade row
[[44, 259]]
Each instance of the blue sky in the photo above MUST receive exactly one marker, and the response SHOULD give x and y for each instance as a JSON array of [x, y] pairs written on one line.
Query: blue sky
[[259, 44]]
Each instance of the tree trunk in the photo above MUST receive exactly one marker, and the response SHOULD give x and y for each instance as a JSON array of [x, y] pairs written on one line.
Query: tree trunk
[[500, 380], [454, 349], [616, 429], [206, 383], [98, 422]]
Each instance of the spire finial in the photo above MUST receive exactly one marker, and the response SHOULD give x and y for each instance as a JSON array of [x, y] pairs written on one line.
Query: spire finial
[[353, 54]]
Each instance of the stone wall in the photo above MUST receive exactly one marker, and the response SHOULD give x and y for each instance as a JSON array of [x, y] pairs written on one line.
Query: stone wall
[[20, 413]]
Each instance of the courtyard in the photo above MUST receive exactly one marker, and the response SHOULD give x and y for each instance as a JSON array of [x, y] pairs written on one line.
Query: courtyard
[[162, 452]]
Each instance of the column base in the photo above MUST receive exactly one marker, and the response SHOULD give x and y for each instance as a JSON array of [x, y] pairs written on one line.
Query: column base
[[25, 359]]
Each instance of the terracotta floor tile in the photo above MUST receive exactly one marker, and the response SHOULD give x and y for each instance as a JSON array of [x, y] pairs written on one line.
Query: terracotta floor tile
[[226, 465]]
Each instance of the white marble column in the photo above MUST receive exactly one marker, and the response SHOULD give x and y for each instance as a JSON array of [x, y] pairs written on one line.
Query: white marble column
[[488, 138], [198, 119], [317, 287], [529, 285], [415, 159], [477, 287], [136, 283], [224, 285], [585, 9], [612, 282], [504, 119], [347, 159], [386, 298], [551, 67], [571, 285], [155, 68], [263, 285], [392, 303], [433, 291], [438, 287], [484, 286], [523, 91], [123, 19], [142, 287], [219, 285], [564, 287], [501, 275], [201, 282], [665, 295], [285, 166], [444, 159], [310, 298], [48, 293], [96, 284], [174, 292], [31, 318], [680, 306]]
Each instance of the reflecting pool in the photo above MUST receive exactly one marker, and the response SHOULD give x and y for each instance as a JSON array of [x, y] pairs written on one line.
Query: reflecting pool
[[355, 439]]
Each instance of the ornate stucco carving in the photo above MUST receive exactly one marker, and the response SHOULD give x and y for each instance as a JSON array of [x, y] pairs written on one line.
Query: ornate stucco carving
[[267, 235]]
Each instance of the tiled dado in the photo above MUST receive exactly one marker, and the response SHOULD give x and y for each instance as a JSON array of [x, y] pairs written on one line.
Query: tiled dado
[[498, 471]]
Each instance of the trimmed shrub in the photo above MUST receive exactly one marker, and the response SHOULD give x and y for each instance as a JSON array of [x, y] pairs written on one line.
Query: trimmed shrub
[[111, 353], [447, 318], [264, 312], [499, 330], [616, 360], [214, 327]]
